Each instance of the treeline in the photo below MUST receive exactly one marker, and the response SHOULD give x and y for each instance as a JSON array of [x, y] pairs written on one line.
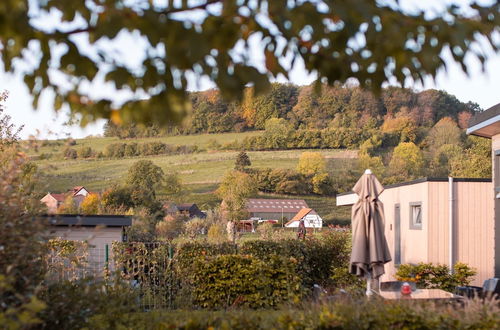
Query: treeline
[[119, 150], [335, 107]]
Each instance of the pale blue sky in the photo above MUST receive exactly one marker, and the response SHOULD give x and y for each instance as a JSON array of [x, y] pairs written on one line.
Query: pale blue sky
[[480, 87]]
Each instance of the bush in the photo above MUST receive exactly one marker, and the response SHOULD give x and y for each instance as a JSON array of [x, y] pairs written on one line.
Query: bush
[[217, 233], [432, 276], [70, 153], [74, 305], [85, 152], [235, 280]]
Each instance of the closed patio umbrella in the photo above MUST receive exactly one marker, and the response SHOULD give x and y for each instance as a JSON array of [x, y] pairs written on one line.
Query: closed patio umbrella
[[369, 246]]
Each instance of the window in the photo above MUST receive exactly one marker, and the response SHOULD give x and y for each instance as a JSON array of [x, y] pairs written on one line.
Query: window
[[416, 215]]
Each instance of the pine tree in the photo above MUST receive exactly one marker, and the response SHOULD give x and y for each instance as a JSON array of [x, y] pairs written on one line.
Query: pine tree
[[242, 161]]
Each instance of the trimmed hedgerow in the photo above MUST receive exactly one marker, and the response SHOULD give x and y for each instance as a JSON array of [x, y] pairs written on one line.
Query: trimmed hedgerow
[[244, 281]]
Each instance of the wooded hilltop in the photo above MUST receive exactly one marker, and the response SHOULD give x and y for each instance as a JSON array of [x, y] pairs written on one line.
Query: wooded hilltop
[[401, 134]]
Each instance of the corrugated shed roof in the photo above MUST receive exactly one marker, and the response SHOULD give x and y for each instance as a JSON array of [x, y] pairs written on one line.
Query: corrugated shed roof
[[275, 205]]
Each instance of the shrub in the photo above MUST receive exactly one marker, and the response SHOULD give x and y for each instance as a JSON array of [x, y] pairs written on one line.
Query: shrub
[[70, 153], [217, 233], [85, 152], [75, 305], [436, 276], [235, 280]]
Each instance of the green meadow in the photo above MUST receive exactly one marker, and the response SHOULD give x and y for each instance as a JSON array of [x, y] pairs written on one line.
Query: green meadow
[[199, 172]]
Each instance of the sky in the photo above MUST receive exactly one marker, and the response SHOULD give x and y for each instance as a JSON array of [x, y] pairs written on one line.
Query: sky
[[482, 87]]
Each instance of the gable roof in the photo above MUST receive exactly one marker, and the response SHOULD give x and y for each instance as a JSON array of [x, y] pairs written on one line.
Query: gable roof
[[275, 205], [59, 197], [302, 213], [186, 206]]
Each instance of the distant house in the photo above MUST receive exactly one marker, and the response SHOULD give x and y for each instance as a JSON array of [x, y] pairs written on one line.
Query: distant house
[[53, 201], [100, 231], [487, 124], [310, 217], [438, 220], [190, 210], [274, 209]]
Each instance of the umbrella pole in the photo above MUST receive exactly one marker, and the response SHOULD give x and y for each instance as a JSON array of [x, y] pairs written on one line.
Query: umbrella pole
[[369, 291], [369, 285]]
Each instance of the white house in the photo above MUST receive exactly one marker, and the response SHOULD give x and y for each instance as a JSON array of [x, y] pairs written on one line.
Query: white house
[[310, 217]]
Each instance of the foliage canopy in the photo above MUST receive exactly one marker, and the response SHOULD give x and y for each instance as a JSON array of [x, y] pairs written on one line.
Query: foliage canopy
[[65, 46]]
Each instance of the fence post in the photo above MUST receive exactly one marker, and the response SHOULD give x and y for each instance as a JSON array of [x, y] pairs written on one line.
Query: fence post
[[106, 257]]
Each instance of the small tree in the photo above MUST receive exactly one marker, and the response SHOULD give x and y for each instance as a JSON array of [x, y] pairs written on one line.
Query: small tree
[[145, 174], [242, 161], [234, 189], [91, 204], [407, 162], [311, 163], [68, 206]]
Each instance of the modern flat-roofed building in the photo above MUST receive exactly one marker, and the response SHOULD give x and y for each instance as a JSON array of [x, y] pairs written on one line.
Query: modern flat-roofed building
[[438, 220]]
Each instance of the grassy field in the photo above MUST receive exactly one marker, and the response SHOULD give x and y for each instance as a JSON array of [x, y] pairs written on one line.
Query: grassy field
[[200, 172]]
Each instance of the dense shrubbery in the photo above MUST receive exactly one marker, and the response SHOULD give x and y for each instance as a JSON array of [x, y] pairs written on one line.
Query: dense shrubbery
[[436, 276], [178, 270], [245, 281], [343, 313], [119, 150]]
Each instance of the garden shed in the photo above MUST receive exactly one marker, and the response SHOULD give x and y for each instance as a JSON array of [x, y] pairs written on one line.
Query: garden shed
[[438, 220], [100, 231]]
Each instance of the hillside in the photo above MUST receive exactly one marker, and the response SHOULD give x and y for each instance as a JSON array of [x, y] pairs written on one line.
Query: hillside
[[200, 172]]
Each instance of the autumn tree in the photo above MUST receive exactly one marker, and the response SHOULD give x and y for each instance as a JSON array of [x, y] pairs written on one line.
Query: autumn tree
[[407, 162], [210, 38], [276, 133], [242, 161], [444, 132], [234, 190], [475, 161], [311, 163], [9, 133], [68, 206], [91, 204]]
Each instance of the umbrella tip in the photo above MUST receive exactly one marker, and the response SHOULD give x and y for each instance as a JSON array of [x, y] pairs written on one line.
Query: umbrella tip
[[368, 171]]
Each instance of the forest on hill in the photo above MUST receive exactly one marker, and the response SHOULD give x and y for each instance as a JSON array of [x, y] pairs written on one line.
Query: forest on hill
[[401, 134], [304, 108]]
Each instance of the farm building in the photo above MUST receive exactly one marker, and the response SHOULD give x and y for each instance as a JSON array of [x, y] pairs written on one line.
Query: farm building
[[190, 210], [100, 231], [53, 201], [487, 124], [274, 209], [437, 220], [310, 217]]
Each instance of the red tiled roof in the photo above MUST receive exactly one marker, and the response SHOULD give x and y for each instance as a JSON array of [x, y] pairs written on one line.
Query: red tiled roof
[[302, 213], [59, 197], [275, 205]]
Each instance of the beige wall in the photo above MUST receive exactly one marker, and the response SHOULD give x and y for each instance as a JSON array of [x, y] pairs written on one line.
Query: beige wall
[[96, 237], [413, 241], [50, 202], [473, 220]]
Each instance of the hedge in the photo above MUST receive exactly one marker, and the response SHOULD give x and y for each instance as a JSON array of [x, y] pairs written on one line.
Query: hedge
[[244, 281]]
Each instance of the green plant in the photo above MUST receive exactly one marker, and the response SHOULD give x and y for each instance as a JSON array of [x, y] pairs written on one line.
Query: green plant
[[244, 281], [87, 302], [428, 275]]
